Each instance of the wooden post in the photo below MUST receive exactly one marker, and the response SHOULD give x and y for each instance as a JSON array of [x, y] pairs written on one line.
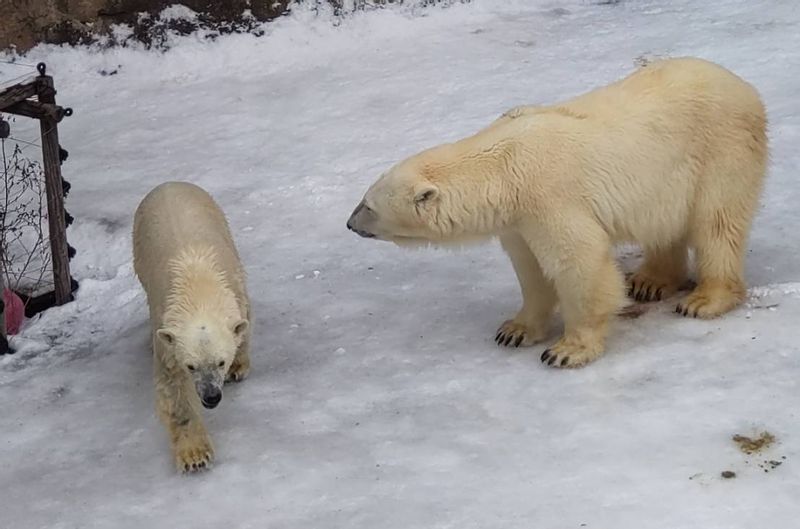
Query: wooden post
[[4, 132], [55, 194], [18, 100], [4, 348], [17, 93]]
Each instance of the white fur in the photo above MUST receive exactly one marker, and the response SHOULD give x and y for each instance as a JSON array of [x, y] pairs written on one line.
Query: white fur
[[187, 262], [671, 157]]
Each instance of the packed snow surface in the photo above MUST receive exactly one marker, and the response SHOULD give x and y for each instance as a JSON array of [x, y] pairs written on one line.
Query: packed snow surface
[[378, 398]]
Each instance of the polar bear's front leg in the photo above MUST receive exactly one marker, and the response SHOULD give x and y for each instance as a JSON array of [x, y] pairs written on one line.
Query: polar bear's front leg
[[178, 406], [531, 323], [590, 287], [192, 447]]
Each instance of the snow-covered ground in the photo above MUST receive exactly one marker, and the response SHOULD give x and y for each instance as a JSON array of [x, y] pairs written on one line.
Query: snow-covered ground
[[378, 398]]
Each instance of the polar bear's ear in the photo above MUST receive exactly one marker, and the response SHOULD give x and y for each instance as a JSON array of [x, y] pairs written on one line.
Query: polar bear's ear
[[425, 192], [240, 327], [167, 337]]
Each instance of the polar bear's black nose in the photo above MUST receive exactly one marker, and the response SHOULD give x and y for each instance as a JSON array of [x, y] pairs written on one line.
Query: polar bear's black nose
[[353, 215], [211, 398], [354, 224]]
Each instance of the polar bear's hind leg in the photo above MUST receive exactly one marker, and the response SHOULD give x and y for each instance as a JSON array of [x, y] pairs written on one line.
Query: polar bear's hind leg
[[663, 273]]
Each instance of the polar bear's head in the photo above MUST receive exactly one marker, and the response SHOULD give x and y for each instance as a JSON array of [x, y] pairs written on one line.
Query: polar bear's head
[[400, 205], [205, 348], [442, 195]]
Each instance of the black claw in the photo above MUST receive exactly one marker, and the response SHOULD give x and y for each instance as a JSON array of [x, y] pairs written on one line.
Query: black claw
[[519, 341], [507, 340], [497, 336], [678, 309], [658, 295], [564, 361], [545, 355], [695, 313], [552, 359], [646, 295], [686, 311]]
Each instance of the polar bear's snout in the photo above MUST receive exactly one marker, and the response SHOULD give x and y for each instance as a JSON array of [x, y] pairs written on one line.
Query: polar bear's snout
[[360, 220], [209, 387], [209, 390], [211, 398]]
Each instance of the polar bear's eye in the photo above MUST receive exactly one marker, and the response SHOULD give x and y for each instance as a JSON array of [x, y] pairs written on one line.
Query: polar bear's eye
[[190, 367], [221, 363]]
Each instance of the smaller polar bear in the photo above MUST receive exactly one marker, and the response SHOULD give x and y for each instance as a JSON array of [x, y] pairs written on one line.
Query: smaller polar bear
[[672, 157], [185, 258]]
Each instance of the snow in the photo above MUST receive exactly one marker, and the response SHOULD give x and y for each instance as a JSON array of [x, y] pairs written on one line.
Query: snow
[[377, 397]]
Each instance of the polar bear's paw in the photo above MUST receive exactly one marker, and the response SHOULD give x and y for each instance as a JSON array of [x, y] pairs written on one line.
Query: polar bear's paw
[[645, 288], [238, 371], [193, 454], [513, 334], [571, 353], [710, 301]]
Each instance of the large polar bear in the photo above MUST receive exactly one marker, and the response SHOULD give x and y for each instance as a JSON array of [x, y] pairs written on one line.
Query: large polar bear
[[185, 258], [671, 157]]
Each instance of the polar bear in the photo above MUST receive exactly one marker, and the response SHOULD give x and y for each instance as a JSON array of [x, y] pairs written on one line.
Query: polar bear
[[672, 157], [186, 260]]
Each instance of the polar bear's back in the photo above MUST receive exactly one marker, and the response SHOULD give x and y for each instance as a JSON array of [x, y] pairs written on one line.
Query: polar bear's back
[[647, 152], [172, 218], [684, 87]]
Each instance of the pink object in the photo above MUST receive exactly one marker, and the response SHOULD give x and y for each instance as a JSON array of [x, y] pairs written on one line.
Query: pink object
[[14, 312]]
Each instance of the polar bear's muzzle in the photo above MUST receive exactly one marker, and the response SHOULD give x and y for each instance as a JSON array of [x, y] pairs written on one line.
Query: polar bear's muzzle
[[210, 397], [209, 390], [360, 221]]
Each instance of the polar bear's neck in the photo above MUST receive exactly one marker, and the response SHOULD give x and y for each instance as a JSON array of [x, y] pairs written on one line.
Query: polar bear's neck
[[478, 189], [198, 287]]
